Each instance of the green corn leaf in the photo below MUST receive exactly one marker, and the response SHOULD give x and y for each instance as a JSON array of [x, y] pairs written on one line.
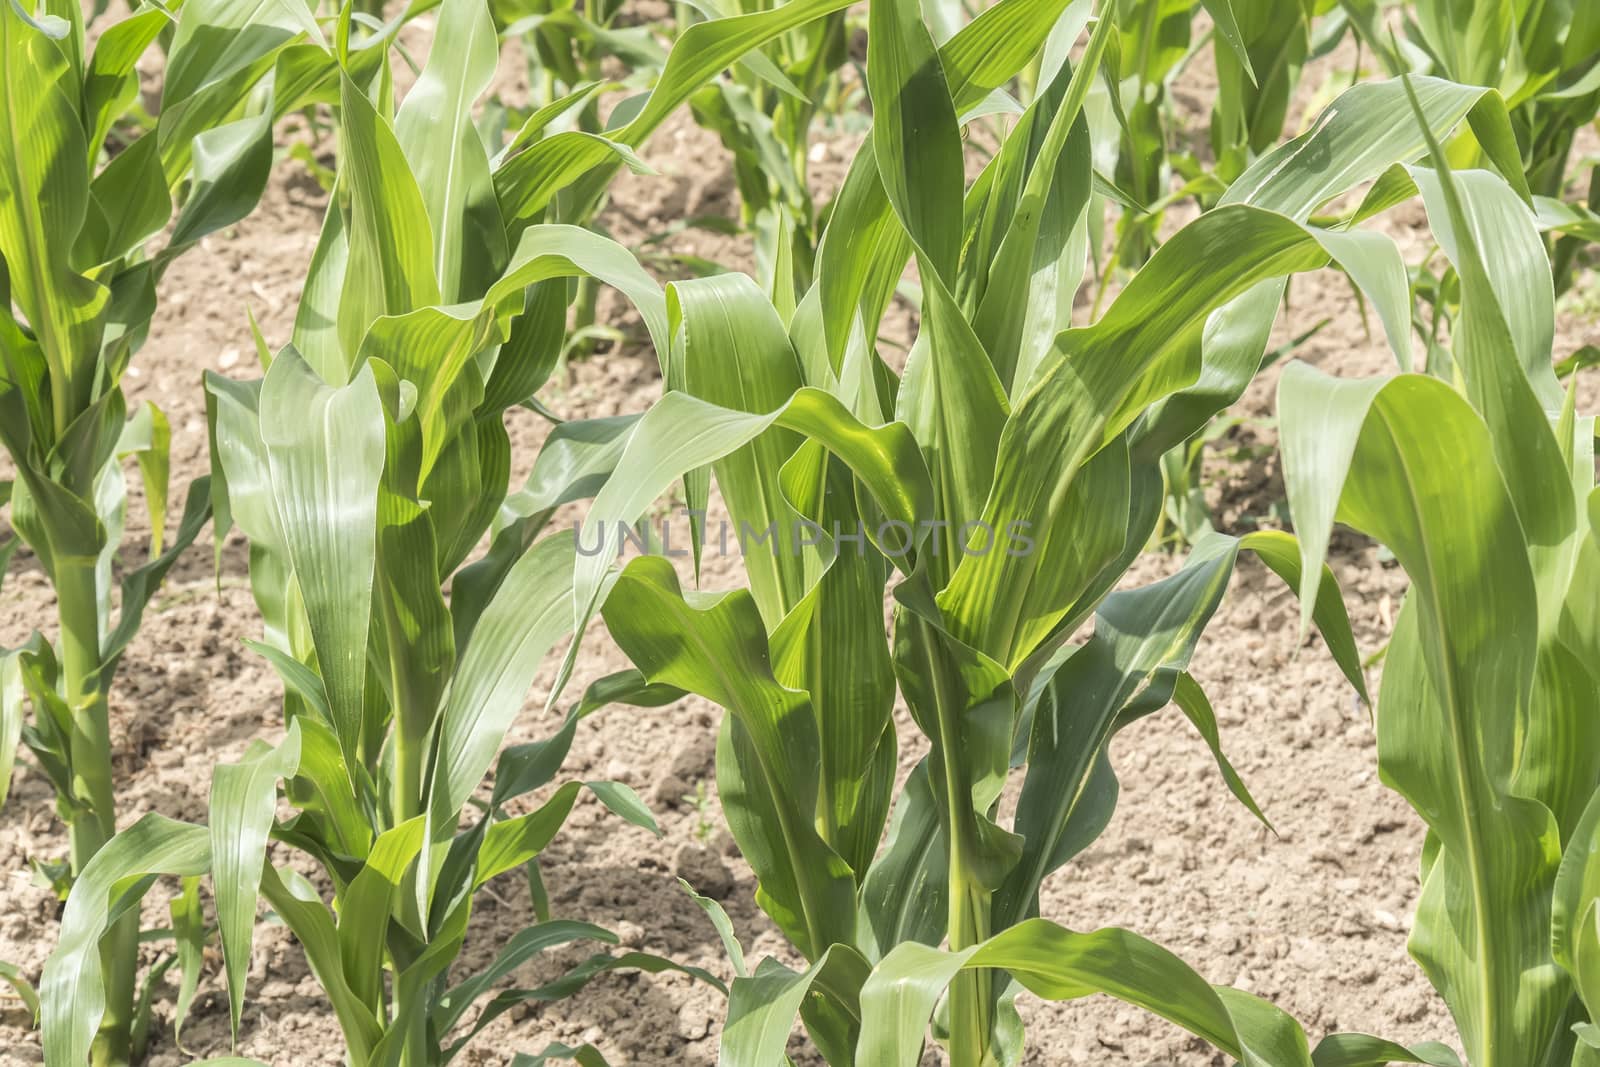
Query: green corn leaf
[[1361, 1050], [13, 712], [231, 165], [243, 800], [1356, 446], [833, 645], [216, 39], [110, 78], [1575, 919], [576, 459], [329, 780], [1222, 13], [1058, 964], [316, 323], [1371, 128], [904, 894], [364, 910], [731, 349], [43, 154], [527, 182], [914, 132], [325, 447], [714, 648], [129, 204], [1002, 603], [71, 993], [574, 980], [724, 927], [884, 459], [12, 976], [304, 913], [527, 615], [141, 583], [148, 437], [763, 1006], [391, 255], [1188, 695], [189, 931], [1281, 553], [1137, 631], [434, 128], [524, 945], [510, 843], [583, 1056]]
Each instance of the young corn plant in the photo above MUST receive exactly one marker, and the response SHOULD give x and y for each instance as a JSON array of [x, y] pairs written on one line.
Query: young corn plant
[[78, 210], [1482, 484], [1545, 59], [364, 467], [1010, 475], [1259, 47], [763, 110]]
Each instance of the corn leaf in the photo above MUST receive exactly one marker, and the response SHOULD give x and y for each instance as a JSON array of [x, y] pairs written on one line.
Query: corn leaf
[[244, 798], [1057, 964], [71, 993], [325, 448]]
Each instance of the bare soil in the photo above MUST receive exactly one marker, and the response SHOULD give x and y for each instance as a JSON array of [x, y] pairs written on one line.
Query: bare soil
[[1314, 917]]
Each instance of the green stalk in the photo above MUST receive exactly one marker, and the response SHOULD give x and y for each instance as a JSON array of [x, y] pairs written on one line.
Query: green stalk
[[970, 1023], [583, 315], [93, 821], [416, 1050], [970, 910]]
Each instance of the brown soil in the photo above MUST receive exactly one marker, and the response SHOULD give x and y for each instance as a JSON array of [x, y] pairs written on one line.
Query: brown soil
[[1314, 918]]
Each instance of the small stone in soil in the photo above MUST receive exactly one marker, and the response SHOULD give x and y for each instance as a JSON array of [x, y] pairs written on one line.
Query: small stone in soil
[[703, 869]]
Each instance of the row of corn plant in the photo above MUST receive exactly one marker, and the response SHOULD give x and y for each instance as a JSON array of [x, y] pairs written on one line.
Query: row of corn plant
[[1480, 478], [82, 198], [364, 467], [853, 473], [372, 457]]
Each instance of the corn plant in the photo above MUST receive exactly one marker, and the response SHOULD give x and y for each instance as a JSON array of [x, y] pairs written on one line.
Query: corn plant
[[1482, 483], [763, 111], [1544, 58], [364, 467], [1009, 475], [1260, 48], [76, 216]]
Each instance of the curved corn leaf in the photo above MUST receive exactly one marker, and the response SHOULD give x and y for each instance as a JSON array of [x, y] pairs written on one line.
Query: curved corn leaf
[[521, 947], [762, 1008], [1361, 1050], [1052, 962], [1461, 666], [1575, 919], [884, 459], [71, 993], [715, 647], [529, 613], [390, 270], [12, 976], [296, 902]]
